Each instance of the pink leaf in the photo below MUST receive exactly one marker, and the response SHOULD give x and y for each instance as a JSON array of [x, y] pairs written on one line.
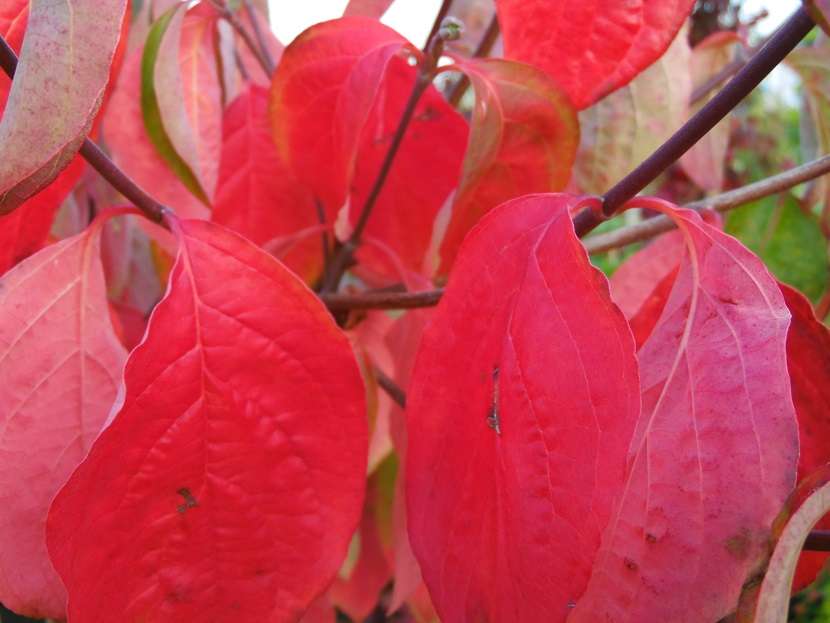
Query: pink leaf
[[590, 48], [714, 454], [65, 58], [230, 481], [520, 412], [60, 362]]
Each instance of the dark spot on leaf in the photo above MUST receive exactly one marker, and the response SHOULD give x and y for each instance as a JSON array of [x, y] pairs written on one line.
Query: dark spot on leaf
[[650, 538], [740, 544], [630, 564], [727, 300], [189, 500]]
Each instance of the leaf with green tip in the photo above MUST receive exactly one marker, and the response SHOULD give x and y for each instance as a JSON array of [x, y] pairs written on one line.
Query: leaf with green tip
[[192, 153]]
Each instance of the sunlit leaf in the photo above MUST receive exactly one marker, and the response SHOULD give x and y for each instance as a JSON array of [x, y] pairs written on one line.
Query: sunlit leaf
[[239, 449], [590, 49]]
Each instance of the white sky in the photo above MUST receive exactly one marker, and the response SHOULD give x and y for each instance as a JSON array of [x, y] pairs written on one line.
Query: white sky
[[413, 18]]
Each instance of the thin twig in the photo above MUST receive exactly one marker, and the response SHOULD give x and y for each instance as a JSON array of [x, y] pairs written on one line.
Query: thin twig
[[229, 16], [796, 28], [485, 46], [382, 300], [260, 36], [345, 253], [720, 203], [818, 541], [98, 159], [390, 387]]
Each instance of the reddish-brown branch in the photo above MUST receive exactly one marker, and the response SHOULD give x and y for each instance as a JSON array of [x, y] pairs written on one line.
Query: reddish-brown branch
[[390, 387], [818, 541], [720, 203], [382, 300], [261, 53], [796, 28], [98, 159]]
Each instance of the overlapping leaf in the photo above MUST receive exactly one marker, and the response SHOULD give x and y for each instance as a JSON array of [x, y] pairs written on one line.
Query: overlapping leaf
[[808, 361], [820, 12], [321, 96], [181, 96], [63, 70], [60, 362], [623, 129], [766, 598], [523, 140], [714, 454], [590, 48], [704, 162], [520, 412], [425, 171], [231, 479], [132, 149], [258, 195]]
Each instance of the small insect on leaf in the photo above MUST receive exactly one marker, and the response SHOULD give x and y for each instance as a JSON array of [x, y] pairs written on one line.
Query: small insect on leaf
[[493, 414]]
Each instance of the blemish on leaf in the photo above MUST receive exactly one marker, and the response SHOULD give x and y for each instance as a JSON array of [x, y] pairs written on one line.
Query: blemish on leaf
[[189, 500], [650, 538], [630, 564], [727, 300], [740, 544], [493, 413]]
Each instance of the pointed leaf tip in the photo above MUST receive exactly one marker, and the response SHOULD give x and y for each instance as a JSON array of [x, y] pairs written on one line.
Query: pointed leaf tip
[[520, 412], [230, 482]]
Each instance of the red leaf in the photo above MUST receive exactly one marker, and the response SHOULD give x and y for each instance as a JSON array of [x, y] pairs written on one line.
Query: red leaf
[[713, 458], [239, 451], [523, 140], [66, 54], [357, 594], [590, 48], [258, 195], [13, 17], [60, 362], [424, 173], [520, 412], [321, 95], [808, 361], [25, 230]]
